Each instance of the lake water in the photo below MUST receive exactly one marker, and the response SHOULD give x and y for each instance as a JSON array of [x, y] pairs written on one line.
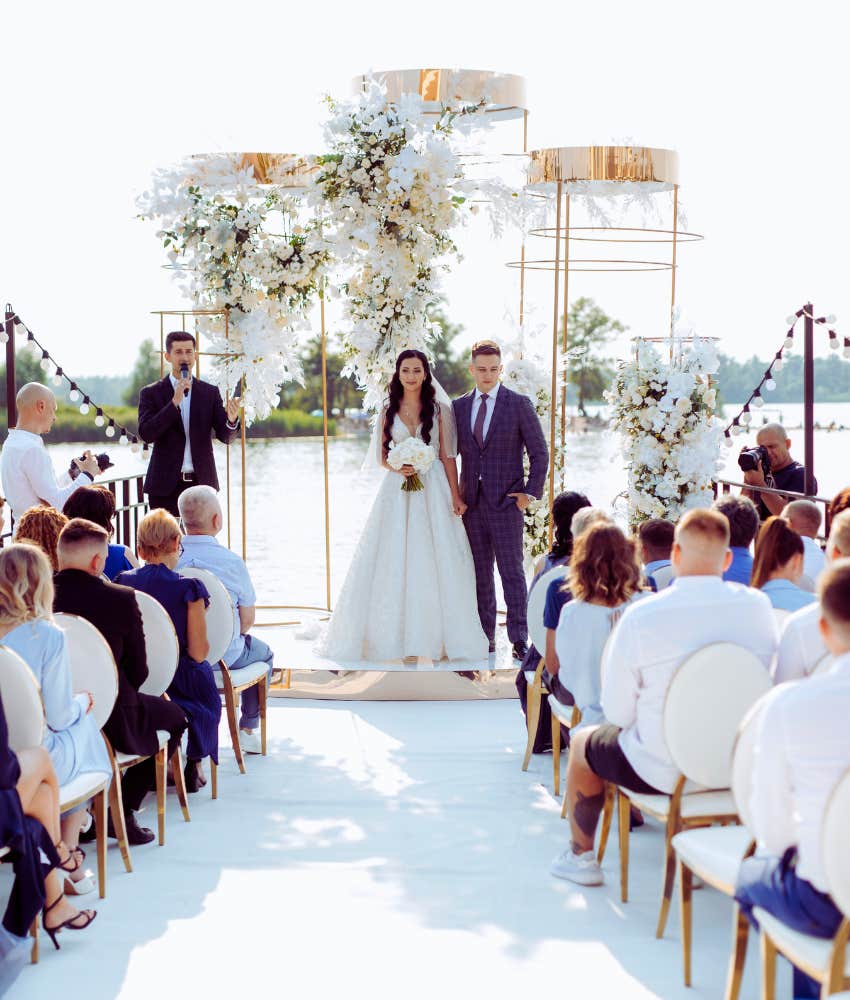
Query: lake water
[[285, 502]]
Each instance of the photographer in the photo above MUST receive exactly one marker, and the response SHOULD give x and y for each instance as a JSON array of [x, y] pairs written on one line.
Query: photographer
[[770, 464], [27, 475]]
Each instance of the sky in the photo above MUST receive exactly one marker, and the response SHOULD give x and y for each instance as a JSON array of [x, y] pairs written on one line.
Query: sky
[[96, 95]]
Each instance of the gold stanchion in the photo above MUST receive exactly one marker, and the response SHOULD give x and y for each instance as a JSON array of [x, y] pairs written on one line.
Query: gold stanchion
[[325, 446], [553, 395], [673, 267], [566, 308]]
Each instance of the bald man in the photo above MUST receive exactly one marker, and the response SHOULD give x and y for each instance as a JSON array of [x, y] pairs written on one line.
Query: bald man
[[785, 473], [25, 470]]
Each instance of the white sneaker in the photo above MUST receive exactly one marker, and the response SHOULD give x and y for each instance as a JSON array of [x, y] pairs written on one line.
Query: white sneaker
[[250, 742], [580, 868]]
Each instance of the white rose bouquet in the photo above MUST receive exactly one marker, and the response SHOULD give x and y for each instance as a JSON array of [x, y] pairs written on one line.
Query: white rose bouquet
[[412, 451]]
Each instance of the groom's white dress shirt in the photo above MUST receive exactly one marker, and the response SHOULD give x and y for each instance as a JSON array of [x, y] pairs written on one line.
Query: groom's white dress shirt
[[490, 403], [28, 477]]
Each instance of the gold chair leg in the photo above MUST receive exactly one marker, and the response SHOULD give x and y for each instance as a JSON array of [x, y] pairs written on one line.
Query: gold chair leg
[[180, 782], [623, 810], [288, 682], [214, 778], [685, 888], [669, 876], [161, 781], [232, 722], [740, 936], [607, 816], [116, 811], [532, 715], [556, 754], [768, 967], [34, 936], [264, 704], [100, 830]]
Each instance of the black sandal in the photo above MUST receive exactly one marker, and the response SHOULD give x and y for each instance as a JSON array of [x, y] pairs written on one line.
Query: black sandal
[[71, 858], [87, 915]]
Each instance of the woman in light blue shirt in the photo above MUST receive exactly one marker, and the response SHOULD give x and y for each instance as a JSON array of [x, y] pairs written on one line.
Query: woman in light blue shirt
[[778, 566], [71, 735]]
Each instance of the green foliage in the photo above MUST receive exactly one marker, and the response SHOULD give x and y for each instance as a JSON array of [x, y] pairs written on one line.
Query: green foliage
[[27, 369], [589, 328], [145, 371], [342, 392], [737, 379], [452, 371]]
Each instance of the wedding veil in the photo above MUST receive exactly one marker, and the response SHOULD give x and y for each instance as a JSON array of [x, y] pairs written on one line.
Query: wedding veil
[[374, 456]]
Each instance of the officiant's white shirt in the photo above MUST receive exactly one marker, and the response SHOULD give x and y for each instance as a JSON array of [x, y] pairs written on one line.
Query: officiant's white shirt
[[490, 403]]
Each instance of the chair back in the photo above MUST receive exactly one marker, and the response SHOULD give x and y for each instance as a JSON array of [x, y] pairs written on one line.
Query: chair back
[[92, 664], [823, 666], [219, 612], [744, 752], [21, 701], [834, 853], [536, 605], [161, 646], [781, 615], [708, 697]]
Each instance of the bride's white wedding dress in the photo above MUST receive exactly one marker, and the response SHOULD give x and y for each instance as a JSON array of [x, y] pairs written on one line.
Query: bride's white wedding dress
[[410, 590]]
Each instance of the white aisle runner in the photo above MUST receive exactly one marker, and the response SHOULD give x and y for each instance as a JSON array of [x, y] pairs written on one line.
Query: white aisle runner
[[382, 850]]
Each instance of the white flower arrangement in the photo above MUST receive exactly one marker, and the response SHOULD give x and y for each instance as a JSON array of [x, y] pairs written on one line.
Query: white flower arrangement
[[214, 219], [412, 451], [670, 437]]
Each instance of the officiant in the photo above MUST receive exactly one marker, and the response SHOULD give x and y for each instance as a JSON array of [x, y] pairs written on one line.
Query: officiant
[[179, 416]]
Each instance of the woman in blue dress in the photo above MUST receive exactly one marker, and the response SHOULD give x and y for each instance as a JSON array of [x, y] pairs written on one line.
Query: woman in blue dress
[[96, 503], [193, 687], [72, 738]]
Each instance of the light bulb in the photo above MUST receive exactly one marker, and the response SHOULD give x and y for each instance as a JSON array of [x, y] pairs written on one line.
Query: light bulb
[[758, 401], [736, 430], [833, 343], [727, 441], [830, 318], [123, 440], [45, 364], [846, 352], [745, 418], [73, 395], [99, 420], [770, 385], [135, 447], [110, 431], [3, 338], [57, 380], [789, 343], [790, 320], [778, 365], [84, 408]]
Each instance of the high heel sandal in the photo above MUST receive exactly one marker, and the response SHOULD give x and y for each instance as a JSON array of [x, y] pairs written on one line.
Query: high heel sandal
[[72, 857], [87, 915]]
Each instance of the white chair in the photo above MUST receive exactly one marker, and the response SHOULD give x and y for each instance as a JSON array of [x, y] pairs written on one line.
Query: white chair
[[219, 635], [824, 960], [537, 635], [708, 697], [823, 666], [781, 615]]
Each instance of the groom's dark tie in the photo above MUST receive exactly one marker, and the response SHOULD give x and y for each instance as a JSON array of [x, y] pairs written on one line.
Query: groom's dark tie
[[478, 429]]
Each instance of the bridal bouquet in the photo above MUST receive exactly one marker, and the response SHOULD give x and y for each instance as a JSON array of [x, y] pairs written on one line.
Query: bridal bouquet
[[412, 451]]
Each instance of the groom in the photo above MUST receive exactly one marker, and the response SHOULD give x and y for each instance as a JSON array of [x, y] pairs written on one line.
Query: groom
[[494, 425]]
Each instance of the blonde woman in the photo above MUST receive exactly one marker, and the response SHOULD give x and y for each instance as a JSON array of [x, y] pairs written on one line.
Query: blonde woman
[[193, 687], [71, 738]]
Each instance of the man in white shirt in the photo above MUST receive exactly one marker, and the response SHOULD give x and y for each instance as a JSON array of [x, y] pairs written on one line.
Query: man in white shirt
[[25, 470], [802, 750], [801, 645], [650, 642], [803, 516]]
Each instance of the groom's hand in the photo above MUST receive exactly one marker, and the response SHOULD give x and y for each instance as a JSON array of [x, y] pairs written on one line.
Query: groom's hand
[[522, 500]]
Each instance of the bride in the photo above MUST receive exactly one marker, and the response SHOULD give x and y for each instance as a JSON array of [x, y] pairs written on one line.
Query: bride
[[410, 590]]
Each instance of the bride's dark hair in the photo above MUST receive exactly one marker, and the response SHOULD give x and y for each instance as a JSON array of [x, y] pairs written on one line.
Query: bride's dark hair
[[396, 392]]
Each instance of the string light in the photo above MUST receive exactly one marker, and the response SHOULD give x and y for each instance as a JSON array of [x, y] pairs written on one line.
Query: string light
[[84, 408], [110, 430], [99, 418]]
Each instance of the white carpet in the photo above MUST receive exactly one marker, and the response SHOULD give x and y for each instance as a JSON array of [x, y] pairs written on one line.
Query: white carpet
[[384, 851]]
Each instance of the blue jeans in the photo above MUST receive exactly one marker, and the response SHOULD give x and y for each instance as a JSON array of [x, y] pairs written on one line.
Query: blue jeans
[[255, 651], [773, 884]]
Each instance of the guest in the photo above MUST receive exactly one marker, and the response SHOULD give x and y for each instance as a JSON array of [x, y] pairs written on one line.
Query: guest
[[801, 646], [193, 687], [29, 824], [802, 749], [649, 644], [25, 470], [785, 473], [778, 565], [202, 519], [743, 520], [604, 579], [41, 526], [564, 507], [656, 542], [132, 726], [805, 518], [840, 502], [71, 736], [97, 504]]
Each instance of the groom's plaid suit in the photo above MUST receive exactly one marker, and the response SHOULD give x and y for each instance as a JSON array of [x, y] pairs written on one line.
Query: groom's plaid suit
[[493, 522]]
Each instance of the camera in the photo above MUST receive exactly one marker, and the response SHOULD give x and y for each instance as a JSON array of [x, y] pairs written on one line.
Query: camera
[[102, 461], [750, 459]]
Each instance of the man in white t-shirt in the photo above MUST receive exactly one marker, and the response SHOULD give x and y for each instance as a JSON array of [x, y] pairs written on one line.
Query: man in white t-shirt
[[804, 517], [27, 475], [801, 644], [653, 638], [802, 750]]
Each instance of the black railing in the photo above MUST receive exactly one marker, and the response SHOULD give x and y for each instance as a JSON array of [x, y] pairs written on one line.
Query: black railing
[[725, 486]]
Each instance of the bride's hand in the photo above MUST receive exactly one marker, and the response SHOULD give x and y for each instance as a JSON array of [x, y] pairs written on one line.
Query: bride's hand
[[459, 507], [407, 471]]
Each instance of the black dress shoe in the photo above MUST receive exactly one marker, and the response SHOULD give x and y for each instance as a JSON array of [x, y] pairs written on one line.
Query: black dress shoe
[[136, 834], [191, 777], [520, 650]]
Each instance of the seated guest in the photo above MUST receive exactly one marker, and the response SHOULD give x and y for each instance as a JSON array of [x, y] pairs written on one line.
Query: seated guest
[[71, 735], [202, 519], [652, 639], [96, 503], [656, 541], [29, 825], [841, 501], [41, 526], [743, 520], [193, 687], [801, 645], [604, 578], [802, 749], [564, 507], [135, 719], [778, 565], [804, 518]]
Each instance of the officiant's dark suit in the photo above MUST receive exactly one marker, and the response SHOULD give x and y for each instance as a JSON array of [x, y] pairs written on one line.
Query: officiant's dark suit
[[492, 468], [161, 424]]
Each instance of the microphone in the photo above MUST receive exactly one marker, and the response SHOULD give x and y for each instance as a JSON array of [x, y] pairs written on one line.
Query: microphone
[[184, 373]]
